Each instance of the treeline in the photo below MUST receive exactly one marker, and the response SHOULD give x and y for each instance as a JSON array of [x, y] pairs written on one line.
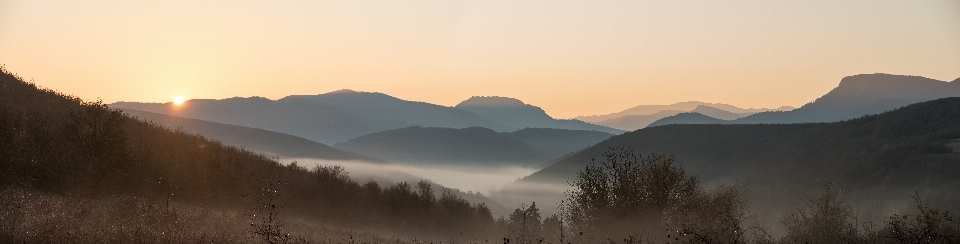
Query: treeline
[[56, 143]]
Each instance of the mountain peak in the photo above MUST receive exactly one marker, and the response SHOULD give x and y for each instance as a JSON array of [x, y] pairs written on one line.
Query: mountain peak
[[492, 101], [343, 91], [866, 89]]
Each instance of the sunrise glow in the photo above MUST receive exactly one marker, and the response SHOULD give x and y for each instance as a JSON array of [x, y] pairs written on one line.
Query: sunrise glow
[[178, 100]]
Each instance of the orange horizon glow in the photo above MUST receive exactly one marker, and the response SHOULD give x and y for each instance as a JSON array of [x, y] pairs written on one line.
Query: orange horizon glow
[[571, 58], [179, 100]]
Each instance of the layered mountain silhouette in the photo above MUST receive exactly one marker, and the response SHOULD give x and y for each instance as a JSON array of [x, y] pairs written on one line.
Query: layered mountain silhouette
[[318, 123], [910, 146], [475, 146], [261, 141], [641, 116], [514, 113], [342, 115]]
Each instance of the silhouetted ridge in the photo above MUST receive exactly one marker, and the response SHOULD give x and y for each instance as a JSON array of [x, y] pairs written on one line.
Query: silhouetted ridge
[[493, 101]]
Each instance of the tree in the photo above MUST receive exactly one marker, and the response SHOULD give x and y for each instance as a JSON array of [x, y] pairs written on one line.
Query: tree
[[625, 195]]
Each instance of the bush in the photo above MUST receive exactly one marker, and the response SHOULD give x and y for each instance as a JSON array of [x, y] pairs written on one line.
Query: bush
[[824, 219], [928, 226]]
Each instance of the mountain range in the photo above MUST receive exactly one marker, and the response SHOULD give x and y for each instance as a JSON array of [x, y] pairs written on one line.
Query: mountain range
[[911, 145], [855, 96], [343, 115], [861, 95]]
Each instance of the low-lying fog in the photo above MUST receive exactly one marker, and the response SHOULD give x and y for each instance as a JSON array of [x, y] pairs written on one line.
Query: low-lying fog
[[466, 179]]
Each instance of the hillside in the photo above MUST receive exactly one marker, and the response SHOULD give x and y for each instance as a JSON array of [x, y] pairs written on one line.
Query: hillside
[[905, 147], [257, 140], [513, 112], [474, 146], [558, 142]]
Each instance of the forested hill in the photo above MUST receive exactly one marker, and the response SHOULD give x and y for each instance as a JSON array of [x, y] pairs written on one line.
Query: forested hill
[[912, 145], [58, 144], [261, 141]]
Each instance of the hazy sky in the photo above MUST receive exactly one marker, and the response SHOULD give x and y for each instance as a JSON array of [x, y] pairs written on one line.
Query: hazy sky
[[578, 57]]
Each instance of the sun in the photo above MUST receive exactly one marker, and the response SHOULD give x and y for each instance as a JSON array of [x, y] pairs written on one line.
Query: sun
[[178, 100]]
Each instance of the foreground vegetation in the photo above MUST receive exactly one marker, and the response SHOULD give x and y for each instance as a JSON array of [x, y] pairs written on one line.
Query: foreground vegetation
[[628, 198]]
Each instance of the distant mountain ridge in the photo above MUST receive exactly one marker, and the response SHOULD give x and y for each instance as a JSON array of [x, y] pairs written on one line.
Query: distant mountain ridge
[[681, 106], [261, 141], [861, 95], [642, 116], [513, 112], [379, 105], [345, 114]]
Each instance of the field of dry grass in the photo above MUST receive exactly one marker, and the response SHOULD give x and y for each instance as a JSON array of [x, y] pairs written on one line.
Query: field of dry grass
[[32, 217]]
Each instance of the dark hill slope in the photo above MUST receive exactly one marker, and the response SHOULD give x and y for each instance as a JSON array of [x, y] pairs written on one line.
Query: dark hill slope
[[902, 147], [261, 141], [558, 142], [474, 146]]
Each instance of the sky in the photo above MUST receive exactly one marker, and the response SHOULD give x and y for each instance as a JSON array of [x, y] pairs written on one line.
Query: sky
[[570, 57]]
